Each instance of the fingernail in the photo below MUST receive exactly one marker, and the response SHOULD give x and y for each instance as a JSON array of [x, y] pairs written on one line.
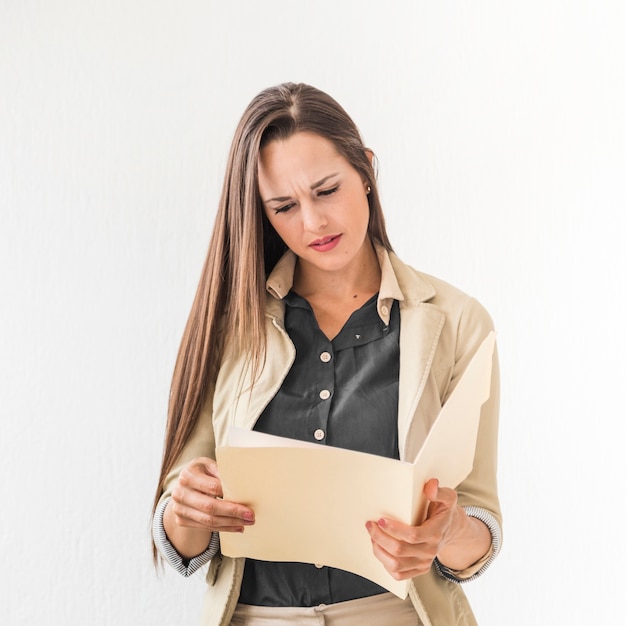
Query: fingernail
[[368, 525], [382, 522], [249, 517]]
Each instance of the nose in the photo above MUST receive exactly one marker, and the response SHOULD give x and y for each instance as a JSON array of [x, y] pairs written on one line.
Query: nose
[[313, 219]]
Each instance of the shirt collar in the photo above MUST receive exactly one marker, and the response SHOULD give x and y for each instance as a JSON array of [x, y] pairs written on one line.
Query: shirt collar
[[280, 281]]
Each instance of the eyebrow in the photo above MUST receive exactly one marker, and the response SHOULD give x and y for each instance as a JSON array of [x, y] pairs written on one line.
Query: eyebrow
[[315, 185]]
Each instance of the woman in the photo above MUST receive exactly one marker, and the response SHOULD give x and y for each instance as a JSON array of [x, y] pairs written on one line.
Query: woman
[[306, 325]]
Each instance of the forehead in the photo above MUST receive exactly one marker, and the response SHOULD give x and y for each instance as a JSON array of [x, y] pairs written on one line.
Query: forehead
[[301, 152]]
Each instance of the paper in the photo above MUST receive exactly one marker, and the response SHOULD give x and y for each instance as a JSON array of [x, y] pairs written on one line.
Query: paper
[[311, 501]]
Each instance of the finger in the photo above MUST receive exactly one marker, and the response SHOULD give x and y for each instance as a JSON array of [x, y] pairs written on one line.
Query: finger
[[392, 544], [431, 489], [209, 507], [403, 561], [198, 491], [402, 541], [198, 510], [389, 531], [208, 465], [437, 494], [403, 570], [201, 475], [192, 518]]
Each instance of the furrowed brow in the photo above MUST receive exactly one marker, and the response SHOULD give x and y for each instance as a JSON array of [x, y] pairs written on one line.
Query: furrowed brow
[[278, 199], [319, 183], [315, 185]]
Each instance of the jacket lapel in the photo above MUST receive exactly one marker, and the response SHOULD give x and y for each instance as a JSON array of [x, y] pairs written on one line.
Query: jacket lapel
[[420, 328]]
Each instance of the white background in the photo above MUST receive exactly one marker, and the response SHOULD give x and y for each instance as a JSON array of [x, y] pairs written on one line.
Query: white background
[[500, 128]]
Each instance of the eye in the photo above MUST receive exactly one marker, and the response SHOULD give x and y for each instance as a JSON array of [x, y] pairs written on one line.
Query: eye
[[283, 209], [328, 192]]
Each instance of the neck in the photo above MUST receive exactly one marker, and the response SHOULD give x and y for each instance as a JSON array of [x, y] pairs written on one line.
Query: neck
[[360, 278]]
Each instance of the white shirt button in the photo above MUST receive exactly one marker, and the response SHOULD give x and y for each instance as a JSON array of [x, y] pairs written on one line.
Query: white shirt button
[[384, 310], [325, 357], [318, 566], [324, 394], [319, 434]]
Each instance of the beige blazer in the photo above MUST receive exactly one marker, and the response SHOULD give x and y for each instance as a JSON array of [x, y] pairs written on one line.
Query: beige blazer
[[440, 330]]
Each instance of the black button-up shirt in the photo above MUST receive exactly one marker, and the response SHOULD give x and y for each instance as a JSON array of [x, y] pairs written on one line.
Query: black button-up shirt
[[341, 392]]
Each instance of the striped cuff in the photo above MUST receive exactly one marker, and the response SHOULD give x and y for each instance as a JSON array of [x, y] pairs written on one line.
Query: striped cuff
[[185, 567], [496, 541]]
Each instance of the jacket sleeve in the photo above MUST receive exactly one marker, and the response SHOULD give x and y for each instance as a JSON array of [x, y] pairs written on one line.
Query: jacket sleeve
[[185, 567], [201, 444], [478, 493]]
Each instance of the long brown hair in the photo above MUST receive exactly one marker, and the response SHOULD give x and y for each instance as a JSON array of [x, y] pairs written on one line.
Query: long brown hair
[[244, 248]]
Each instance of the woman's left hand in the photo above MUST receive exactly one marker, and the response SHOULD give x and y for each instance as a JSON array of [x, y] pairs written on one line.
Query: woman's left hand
[[407, 551]]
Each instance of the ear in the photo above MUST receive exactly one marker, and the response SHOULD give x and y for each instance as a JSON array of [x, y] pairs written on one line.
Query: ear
[[369, 153]]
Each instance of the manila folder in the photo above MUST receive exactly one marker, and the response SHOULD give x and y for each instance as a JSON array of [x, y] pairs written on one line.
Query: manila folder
[[311, 501]]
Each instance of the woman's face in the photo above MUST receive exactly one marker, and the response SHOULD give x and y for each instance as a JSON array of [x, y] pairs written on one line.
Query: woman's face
[[315, 200]]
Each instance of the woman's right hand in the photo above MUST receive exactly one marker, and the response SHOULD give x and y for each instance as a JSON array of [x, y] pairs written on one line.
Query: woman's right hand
[[196, 501]]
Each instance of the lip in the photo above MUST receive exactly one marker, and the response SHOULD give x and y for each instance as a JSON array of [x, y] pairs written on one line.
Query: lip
[[325, 243]]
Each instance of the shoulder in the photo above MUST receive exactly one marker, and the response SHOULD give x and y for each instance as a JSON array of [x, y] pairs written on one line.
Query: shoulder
[[464, 315], [423, 287]]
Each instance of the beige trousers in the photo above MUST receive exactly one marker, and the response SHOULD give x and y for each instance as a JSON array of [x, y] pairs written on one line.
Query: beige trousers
[[385, 609]]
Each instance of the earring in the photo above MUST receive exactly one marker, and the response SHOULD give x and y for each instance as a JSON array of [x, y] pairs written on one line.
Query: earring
[[368, 189]]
